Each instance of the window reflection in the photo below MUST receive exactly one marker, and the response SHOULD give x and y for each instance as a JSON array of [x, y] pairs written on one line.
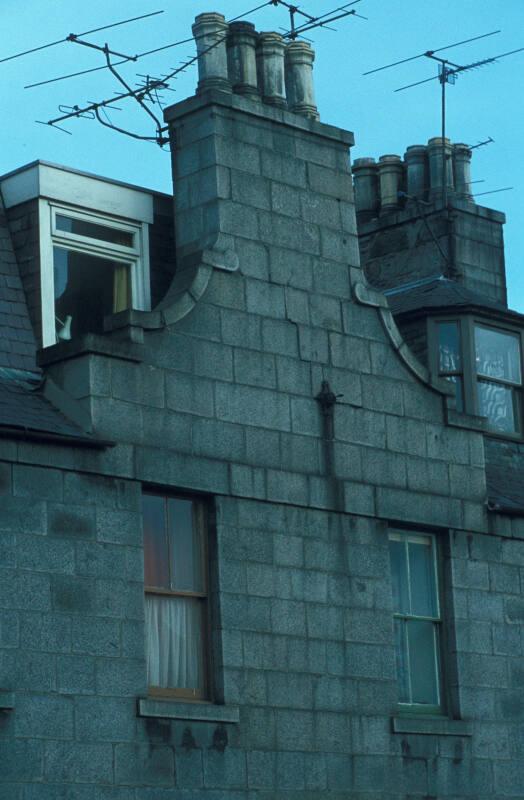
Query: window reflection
[[498, 365]]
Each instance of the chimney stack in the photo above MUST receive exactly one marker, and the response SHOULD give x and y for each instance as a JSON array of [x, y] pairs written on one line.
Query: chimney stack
[[435, 166], [299, 79], [210, 32], [270, 68], [241, 58], [365, 178], [462, 169], [415, 159], [390, 171]]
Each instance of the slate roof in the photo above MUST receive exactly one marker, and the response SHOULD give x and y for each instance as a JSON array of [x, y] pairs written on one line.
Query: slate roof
[[440, 292], [23, 407]]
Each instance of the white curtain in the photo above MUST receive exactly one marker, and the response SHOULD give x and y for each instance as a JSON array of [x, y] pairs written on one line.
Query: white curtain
[[174, 642]]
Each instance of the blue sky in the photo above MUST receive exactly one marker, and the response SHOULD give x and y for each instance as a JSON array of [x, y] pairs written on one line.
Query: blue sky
[[484, 103]]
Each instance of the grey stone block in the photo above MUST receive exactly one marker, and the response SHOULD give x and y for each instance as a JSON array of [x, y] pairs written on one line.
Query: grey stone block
[[17, 515], [189, 769], [72, 522], [280, 336], [297, 305], [119, 527], [253, 258], [242, 330], [135, 383], [78, 762], [330, 182], [25, 591], [100, 560], [291, 268], [339, 772], [37, 482], [290, 770], [22, 760], [263, 447], [306, 417], [299, 453], [336, 694], [288, 617], [225, 769], [213, 360], [119, 598], [255, 369], [296, 728], [482, 670], [313, 344], [293, 376], [278, 167], [285, 200], [9, 630], [120, 677], [43, 716], [95, 636], [287, 487], [149, 764], [350, 352], [275, 229], [75, 674], [334, 728], [189, 394], [252, 406], [288, 550], [261, 769], [73, 595], [218, 440]]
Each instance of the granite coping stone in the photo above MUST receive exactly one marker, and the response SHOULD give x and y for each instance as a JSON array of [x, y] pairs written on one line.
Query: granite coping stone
[[175, 709], [432, 726]]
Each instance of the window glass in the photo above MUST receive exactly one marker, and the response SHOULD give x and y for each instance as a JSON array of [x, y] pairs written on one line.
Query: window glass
[[176, 595], [423, 662], [422, 578], [500, 404], [401, 657], [185, 547], [399, 575], [88, 288], [416, 617], [156, 560], [449, 347], [497, 354], [92, 230], [174, 645]]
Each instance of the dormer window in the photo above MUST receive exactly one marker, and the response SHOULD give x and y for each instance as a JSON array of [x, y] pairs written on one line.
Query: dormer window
[[499, 378], [99, 267], [484, 362]]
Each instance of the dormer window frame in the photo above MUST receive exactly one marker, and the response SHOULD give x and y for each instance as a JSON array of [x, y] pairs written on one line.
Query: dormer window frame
[[51, 236], [468, 323]]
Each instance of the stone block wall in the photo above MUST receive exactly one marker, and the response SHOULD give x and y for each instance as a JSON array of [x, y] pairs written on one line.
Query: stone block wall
[[223, 403]]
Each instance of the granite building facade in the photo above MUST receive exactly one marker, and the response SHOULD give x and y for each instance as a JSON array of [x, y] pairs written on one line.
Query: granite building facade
[[261, 517]]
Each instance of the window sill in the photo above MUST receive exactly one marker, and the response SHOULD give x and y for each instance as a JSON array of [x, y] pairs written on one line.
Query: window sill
[[7, 700], [431, 726], [176, 709]]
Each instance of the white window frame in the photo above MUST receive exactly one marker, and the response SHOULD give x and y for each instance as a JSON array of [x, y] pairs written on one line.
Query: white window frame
[[399, 535], [51, 236]]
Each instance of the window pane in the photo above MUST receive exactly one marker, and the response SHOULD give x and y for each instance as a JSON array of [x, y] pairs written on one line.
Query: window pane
[[401, 657], [399, 576], [500, 404], [88, 288], [422, 578], [497, 354], [174, 642], [185, 545], [156, 560], [94, 231], [423, 665], [449, 347]]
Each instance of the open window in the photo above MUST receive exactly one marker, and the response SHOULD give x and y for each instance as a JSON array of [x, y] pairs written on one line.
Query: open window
[[93, 265], [176, 596]]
